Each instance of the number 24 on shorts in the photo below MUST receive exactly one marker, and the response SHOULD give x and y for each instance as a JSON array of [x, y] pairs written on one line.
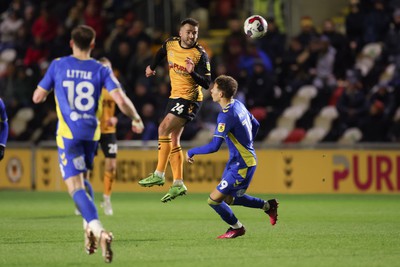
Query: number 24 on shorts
[[178, 108]]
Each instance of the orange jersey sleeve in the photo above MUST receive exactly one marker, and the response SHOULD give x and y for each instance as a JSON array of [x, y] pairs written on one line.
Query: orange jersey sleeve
[[108, 112]]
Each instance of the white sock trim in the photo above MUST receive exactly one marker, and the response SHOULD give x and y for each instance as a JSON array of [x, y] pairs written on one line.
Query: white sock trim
[[266, 206], [178, 182], [96, 227], [237, 225], [159, 174]]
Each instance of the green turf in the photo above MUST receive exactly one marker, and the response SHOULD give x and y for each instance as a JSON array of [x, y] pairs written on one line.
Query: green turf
[[40, 229]]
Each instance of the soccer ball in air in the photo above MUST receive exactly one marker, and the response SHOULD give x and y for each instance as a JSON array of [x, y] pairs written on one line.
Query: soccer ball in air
[[255, 26]]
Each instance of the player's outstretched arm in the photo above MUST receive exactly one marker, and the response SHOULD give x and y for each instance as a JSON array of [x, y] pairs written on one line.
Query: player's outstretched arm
[[211, 147], [40, 95], [161, 54], [127, 107]]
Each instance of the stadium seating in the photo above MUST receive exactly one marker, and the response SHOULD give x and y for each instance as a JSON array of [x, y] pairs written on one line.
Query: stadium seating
[[350, 136]]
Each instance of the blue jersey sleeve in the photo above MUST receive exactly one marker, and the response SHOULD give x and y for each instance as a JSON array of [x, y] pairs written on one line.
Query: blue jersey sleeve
[[255, 125], [47, 83], [223, 125], [3, 124], [110, 81], [221, 131], [211, 147]]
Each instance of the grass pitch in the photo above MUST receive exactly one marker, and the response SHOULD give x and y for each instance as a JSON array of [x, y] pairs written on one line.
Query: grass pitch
[[40, 229]]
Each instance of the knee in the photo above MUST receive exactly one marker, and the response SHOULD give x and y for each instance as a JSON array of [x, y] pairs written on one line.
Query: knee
[[229, 200], [164, 129], [212, 202], [111, 165]]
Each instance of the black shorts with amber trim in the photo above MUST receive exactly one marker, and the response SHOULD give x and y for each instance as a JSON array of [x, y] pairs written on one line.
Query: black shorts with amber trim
[[183, 108]]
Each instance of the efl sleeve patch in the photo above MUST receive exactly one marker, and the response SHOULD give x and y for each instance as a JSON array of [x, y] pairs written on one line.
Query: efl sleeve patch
[[221, 127]]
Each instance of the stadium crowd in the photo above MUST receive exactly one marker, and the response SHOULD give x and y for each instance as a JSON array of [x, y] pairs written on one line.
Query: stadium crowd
[[362, 84]]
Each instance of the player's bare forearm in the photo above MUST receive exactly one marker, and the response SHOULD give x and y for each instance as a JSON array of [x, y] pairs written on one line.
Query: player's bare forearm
[[129, 109], [40, 95], [124, 103]]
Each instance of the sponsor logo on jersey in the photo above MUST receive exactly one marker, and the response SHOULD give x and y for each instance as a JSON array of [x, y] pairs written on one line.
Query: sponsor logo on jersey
[[74, 116], [240, 192]]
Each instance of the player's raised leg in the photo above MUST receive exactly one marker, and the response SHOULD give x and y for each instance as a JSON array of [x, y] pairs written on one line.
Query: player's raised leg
[[158, 176], [270, 207], [178, 188]]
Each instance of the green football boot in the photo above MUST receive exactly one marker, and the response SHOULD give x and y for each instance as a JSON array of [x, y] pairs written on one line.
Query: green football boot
[[173, 192], [151, 180]]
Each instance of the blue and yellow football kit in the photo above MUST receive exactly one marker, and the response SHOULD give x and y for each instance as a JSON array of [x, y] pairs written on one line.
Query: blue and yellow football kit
[[77, 89], [237, 126]]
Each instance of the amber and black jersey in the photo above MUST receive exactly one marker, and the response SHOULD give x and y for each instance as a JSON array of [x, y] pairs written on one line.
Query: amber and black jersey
[[185, 85], [108, 112]]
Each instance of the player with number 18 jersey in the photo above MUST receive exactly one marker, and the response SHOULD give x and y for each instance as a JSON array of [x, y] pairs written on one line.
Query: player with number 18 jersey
[[77, 87]]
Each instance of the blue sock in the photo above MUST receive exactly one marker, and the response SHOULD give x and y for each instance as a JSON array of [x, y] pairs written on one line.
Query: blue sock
[[85, 205], [224, 211], [89, 188], [249, 201]]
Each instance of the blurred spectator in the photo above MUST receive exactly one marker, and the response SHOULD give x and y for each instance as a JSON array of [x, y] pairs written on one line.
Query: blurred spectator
[[141, 95], [273, 43], [149, 118], [60, 45], [392, 47], [251, 55], [339, 42], [352, 104], [376, 23], [45, 26], [20, 87], [374, 126], [355, 27], [74, 18], [394, 130], [383, 93], [307, 31], [36, 53], [120, 59], [140, 60], [260, 87], [116, 36], [9, 28], [232, 48], [93, 18], [292, 72], [161, 96], [220, 11], [136, 33], [324, 77]]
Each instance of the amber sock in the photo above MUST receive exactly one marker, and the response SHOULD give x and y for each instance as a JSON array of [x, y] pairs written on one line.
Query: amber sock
[[164, 150], [176, 161], [109, 178]]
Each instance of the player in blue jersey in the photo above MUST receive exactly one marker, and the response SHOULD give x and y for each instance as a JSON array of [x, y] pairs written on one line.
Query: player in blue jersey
[[3, 128], [77, 81], [237, 126]]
